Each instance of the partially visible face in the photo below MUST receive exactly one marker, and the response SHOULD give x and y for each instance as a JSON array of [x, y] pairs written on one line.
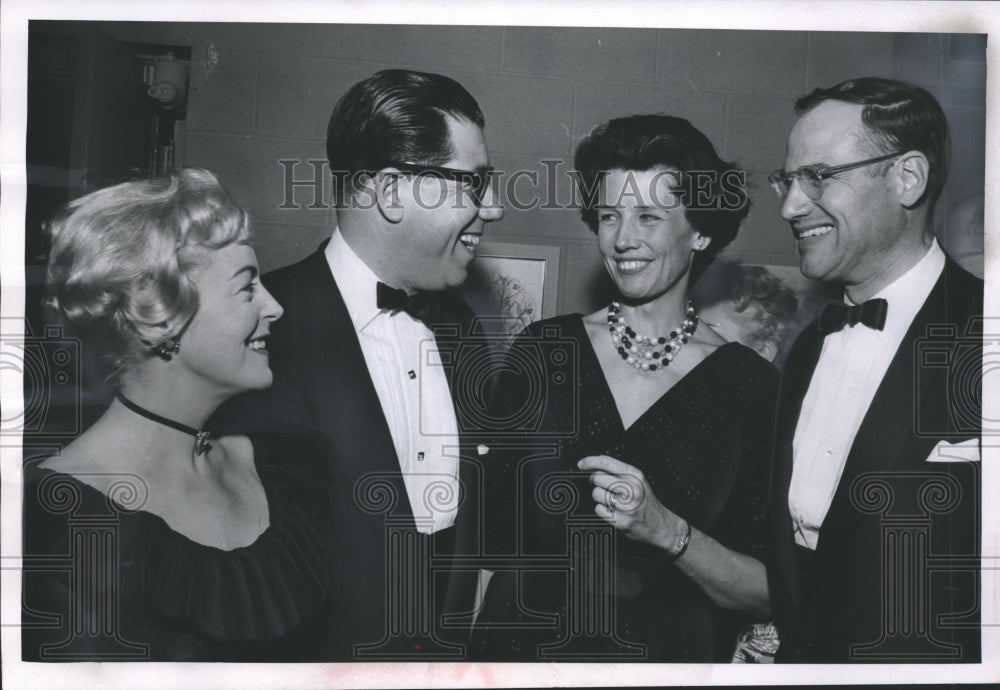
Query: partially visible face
[[225, 342], [643, 233], [735, 327], [443, 224], [961, 234], [852, 234]]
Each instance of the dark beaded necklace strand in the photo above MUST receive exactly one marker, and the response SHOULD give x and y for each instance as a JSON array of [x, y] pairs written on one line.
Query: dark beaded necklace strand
[[643, 352]]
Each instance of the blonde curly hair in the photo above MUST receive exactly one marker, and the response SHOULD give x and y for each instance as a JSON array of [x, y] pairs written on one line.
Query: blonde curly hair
[[121, 256]]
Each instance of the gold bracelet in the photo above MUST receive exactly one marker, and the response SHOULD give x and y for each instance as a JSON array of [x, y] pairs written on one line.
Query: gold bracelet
[[685, 540]]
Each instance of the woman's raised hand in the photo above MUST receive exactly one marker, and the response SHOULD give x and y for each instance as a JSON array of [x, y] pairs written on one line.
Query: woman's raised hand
[[625, 499]]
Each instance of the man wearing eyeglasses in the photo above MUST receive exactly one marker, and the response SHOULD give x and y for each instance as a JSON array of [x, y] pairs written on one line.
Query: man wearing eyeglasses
[[367, 351], [876, 504]]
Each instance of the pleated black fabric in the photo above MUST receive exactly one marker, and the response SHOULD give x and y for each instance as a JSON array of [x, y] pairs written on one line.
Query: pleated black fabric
[[179, 599]]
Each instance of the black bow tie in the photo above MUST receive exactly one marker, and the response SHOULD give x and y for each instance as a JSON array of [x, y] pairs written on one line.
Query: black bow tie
[[836, 315], [420, 305]]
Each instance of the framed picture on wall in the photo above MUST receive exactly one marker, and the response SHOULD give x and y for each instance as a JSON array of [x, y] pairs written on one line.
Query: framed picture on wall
[[512, 285]]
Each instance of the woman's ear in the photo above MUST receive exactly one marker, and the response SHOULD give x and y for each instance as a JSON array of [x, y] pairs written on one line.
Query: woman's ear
[[150, 334], [386, 191], [162, 339], [912, 171]]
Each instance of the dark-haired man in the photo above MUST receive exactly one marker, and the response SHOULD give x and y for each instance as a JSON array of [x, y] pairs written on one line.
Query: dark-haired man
[[356, 355], [876, 502]]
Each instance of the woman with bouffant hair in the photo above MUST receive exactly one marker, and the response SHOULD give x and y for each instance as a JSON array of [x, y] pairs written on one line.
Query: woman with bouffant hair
[[121, 258], [177, 545]]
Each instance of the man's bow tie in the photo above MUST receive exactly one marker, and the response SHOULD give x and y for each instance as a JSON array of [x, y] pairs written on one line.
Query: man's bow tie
[[420, 305], [836, 315]]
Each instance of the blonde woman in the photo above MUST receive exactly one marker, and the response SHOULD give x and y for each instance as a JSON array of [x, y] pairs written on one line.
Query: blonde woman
[[176, 544]]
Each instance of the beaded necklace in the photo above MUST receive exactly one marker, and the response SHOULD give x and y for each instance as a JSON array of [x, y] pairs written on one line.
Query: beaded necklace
[[643, 352]]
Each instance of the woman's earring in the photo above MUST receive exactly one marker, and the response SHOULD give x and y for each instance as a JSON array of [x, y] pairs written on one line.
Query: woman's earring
[[172, 345], [168, 348]]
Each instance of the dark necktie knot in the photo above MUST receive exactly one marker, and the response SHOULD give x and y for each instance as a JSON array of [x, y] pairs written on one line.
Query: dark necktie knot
[[836, 315], [419, 305]]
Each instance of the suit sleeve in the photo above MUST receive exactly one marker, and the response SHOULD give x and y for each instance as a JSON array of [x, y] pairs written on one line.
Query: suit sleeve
[[742, 524], [500, 466]]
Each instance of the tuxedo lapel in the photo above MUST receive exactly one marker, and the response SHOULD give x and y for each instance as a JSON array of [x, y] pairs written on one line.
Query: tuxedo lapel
[[795, 380], [463, 347], [886, 428], [447, 339], [465, 353], [338, 386]]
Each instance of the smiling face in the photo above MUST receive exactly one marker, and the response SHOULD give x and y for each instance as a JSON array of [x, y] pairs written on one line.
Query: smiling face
[[442, 224], [224, 344], [644, 235], [856, 231]]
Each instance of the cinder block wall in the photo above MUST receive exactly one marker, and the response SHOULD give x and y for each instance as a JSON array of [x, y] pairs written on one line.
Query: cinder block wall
[[271, 91]]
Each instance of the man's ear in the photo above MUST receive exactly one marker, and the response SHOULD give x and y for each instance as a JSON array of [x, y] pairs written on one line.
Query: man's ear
[[385, 185], [912, 171]]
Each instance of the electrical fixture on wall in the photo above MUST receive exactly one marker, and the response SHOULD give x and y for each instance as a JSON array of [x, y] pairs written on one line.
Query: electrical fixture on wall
[[211, 57], [166, 79]]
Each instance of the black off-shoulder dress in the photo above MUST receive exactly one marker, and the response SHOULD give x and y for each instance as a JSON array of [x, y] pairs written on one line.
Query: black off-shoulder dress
[[106, 581]]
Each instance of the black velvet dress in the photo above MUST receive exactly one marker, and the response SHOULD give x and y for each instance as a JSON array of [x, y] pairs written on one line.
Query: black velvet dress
[[106, 581], [572, 587]]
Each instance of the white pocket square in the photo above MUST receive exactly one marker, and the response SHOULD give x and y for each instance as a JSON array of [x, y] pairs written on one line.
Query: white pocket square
[[963, 451]]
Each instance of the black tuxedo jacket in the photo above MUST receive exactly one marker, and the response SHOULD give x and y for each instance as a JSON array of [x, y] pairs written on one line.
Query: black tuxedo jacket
[[321, 381], [895, 574]]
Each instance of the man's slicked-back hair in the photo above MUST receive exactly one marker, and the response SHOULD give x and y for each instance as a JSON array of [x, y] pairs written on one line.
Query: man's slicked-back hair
[[899, 117], [395, 115]]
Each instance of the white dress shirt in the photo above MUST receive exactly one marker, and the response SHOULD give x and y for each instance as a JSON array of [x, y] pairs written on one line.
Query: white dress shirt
[[850, 369], [405, 367]]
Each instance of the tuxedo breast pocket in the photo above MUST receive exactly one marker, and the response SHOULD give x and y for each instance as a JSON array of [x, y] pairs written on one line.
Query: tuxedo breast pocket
[[961, 451]]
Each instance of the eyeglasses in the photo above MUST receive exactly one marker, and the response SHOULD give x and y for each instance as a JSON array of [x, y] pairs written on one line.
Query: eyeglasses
[[476, 181], [811, 177]]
